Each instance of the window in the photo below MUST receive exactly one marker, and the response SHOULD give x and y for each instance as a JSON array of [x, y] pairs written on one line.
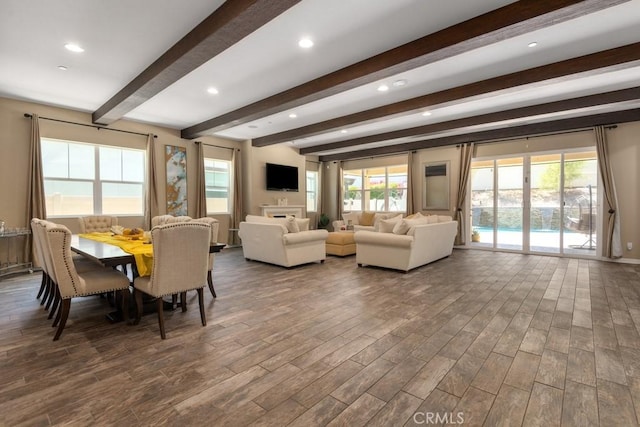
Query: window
[[379, 189], [87, 179], [312, 191], [217, 178]]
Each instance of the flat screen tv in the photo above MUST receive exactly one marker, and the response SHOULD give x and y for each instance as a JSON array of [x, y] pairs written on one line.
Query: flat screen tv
[[282, 178]]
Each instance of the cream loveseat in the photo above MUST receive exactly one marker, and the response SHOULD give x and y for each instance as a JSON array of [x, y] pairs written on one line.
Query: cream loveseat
[[281, 241], [412, 243]]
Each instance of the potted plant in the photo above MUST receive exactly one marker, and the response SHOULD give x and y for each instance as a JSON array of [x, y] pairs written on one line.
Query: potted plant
[[475, 235], [323, 221]]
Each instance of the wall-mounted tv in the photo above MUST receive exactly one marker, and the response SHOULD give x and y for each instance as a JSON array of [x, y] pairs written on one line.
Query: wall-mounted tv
[[282, 178]]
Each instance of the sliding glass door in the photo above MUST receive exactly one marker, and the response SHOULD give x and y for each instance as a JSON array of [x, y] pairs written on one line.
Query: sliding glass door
[[540, 203]]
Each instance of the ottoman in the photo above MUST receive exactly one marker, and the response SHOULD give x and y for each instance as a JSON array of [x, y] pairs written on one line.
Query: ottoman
[[340, 243]]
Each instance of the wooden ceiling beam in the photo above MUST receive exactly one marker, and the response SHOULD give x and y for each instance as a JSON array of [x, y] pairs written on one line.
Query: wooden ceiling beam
[[509, 21], [227, 25], [583, 102], [529, 130], [592, 64]]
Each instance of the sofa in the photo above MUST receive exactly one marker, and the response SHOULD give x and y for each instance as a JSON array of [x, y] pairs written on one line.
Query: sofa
[[281, 241], [411, 243], [363, 220]]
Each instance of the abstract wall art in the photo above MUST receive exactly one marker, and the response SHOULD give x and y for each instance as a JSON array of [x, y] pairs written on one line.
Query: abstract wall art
[[176, 158]]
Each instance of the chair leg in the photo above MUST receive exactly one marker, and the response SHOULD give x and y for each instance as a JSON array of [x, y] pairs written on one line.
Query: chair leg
[[66, 305], [201, 303], [46, 291], [138, 297], [174, 301], [125, 305], [183, 301], [43, 284], [210, 282], [161, 318], [56, 304], [51, 296]]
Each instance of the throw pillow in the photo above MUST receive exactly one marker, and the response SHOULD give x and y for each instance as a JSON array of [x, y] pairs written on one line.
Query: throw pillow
[[430, 219], [444, 218], [353, 216], [367, 218], [387, 225], [303, 224], [401, 227], [292, 224]]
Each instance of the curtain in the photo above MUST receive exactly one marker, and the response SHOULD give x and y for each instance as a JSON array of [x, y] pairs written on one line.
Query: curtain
[[152, 207], [36, 207], [237, 186], [340, 192], [319, 194], [411, 209], [466, 153], [612, 247], [201, 187]]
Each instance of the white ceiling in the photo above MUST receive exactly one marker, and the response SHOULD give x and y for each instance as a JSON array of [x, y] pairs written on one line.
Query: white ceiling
[[123, 37]]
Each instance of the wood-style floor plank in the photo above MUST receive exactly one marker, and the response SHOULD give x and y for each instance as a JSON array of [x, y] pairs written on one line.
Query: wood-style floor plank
[[485, 337]]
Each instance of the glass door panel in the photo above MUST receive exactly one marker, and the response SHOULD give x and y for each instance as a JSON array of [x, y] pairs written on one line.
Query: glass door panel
[[545, 216], [510, 192], [580, 200], [482, 205]]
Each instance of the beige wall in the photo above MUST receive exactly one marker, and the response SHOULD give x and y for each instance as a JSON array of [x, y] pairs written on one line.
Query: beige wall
[[624, 150], [14, 154]]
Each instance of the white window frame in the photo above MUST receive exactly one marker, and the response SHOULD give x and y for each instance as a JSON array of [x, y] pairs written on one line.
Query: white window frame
[[97, 182], [229, 188], [312, 194], [364, 191]]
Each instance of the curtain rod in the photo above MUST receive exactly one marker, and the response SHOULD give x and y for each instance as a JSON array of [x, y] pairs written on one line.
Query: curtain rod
[[90, 126], [217, 146]]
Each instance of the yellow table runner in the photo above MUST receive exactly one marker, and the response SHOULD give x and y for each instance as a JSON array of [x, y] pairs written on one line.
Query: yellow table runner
[[142, 252]]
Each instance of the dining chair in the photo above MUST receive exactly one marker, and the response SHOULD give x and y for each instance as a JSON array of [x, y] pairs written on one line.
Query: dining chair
[[180, 262], [214, 224], [72, 283], [97, 223]]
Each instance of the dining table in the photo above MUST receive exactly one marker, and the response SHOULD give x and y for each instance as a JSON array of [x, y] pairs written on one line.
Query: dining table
[[106, 249]]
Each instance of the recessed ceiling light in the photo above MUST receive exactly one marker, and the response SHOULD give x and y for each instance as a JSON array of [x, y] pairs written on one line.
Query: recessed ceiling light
[[212, 91], [62, 68], [305, 43], [401, 82], [426, 113], [344, 131], [73, 47], [383, 88], [533, 44], [293, 115]]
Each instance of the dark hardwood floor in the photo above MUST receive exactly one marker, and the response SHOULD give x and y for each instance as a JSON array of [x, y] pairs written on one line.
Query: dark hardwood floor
[[480, 337]]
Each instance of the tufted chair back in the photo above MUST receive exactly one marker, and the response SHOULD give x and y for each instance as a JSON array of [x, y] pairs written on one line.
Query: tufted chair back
[[97, 223], [168, 219], [214, 224]]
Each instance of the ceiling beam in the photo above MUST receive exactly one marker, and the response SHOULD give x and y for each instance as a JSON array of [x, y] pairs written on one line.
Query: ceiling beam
[[509, 21], [227, 25], [583, 102], [592, 64], [530, 130]]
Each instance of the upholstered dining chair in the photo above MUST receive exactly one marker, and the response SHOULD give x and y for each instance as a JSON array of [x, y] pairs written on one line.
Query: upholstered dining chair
[[71, 283], [97, 223], [214, 239], [180, 263]]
